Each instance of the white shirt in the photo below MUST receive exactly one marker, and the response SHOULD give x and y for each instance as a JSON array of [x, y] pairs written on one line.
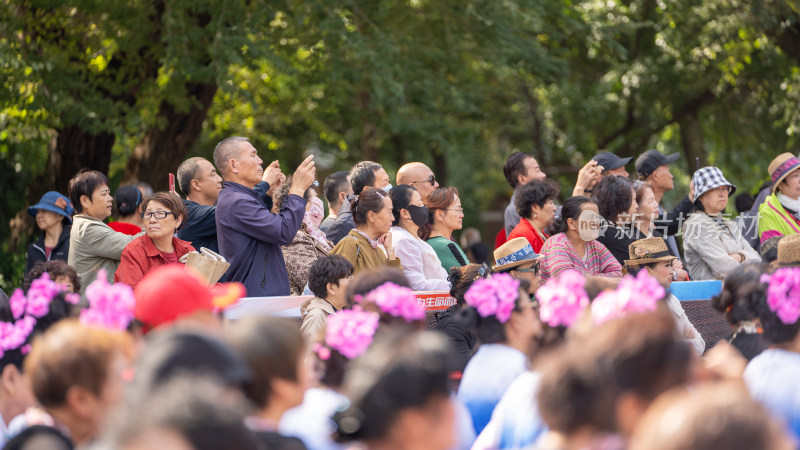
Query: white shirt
[[311, 421], [421, 265], [684, 325], [771, 377]]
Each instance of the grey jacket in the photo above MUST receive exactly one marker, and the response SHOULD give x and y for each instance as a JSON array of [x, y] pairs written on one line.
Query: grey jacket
[[93, 245], [707, 245]]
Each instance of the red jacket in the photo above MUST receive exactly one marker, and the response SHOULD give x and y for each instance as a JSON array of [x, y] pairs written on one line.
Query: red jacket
[[526, 230], [141, 256]]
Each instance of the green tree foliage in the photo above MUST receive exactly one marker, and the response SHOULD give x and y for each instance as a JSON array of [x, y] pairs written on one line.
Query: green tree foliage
[[133, 87]]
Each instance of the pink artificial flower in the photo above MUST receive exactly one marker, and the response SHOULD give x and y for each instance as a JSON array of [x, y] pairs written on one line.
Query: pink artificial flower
[[350, 332], [72, 299], [783, 293], [397, 301], [110, 305], [14, 335], [633, 295], [562, 299], [496, 296], [17, 303]]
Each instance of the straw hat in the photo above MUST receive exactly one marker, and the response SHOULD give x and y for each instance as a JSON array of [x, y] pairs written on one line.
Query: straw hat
[[788, 251], [650, 250], [781, 167], [514, 253]]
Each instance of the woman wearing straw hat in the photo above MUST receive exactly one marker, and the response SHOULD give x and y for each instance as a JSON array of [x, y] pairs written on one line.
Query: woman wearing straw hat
[[652, 255], [778, 215], [517, 258], [713, 245]]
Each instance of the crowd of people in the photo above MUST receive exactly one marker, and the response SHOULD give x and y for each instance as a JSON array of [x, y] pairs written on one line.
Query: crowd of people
[[568, 338]]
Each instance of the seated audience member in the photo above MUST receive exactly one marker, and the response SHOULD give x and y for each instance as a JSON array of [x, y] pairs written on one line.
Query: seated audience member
[[517, 258], [419, 176], [93, 245], [191, 302], [741, 290], [595, 392], [274, 350], [163, 214], [128, 200], [644, 221], [652, 167], [369, 245], [198, 179], [59, 271], [777, 216], [309, 244], [679, 420], [772, 375], [53, 216], [471, 242], [76, 373], [616, 202], [187, 412], [363, 175], [611, 164], [519, 169], [574, 245], [462, 337], [652, 255], [328, 278], [249, 235], [713, 245], [534, 202], [336, 188], [445, 215], [369, 280], [420, 263], [388, 411], [505, 334], [769, 249]]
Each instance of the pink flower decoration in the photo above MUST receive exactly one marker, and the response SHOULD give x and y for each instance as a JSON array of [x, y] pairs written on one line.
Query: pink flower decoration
[[495, 296], [14, 335], [17, 303], [562, 299], [783, 293], [110, 305], [397, 301], [73, 299], [633, 295], [350, 332]]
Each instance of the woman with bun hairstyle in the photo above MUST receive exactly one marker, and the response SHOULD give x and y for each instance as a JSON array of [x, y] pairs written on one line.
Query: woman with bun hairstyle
[[369, 245], [737, 302], [574, 245], [420, 262], [445, 215], [128, 200], [399, 394]]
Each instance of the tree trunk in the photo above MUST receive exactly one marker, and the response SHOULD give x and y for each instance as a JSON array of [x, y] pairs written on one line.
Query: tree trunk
[[162, 149], [692, 140]]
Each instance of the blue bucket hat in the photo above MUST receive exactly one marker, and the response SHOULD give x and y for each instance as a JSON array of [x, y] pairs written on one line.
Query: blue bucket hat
[[54, 202]]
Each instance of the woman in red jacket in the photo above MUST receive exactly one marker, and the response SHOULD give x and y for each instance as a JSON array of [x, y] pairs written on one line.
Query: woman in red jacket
[[163, 214]]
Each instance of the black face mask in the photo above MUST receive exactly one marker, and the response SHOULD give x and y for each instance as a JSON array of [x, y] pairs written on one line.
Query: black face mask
[[419, 214]]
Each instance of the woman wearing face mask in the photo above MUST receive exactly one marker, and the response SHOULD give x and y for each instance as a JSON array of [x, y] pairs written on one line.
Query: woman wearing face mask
[[420, 263], [574, 245]]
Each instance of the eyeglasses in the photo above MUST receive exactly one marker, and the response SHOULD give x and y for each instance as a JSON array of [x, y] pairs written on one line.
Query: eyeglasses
[[157, 214], [459, 210], [484, 271], [431, 179], [534, 269]]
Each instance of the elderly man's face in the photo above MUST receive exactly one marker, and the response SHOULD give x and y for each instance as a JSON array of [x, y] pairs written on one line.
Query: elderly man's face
[[248, 165], [424, 181], [381, 179]]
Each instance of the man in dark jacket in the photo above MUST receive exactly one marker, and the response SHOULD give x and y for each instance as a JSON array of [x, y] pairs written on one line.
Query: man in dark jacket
[[249, 235], [363, 174]]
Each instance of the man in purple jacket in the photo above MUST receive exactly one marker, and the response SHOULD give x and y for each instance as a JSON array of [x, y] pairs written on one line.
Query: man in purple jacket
[[249, 235]]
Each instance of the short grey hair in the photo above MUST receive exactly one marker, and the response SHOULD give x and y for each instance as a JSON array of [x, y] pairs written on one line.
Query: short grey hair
[[226, 150], [187, 172]]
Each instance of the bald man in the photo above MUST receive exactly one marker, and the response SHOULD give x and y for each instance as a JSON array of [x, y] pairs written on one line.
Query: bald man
[[418, 175]]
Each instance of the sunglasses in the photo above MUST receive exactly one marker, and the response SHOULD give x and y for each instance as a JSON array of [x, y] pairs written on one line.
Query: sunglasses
[[484, 271], [431, 180], [533, 269]]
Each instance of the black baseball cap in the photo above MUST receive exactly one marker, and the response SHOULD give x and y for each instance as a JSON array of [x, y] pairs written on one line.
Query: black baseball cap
[[610, 161], [649, 161]]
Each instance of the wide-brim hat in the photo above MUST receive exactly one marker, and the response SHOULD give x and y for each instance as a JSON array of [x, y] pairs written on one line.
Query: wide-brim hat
[[54, 202], [514, 253], [781, 167], [646, 251], [709, 178], [788, 251]]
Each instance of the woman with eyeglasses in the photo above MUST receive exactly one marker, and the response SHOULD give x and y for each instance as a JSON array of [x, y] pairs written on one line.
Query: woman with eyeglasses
[[420, 262], [518, 259], [713, 245], [163, 215], [445, 215]]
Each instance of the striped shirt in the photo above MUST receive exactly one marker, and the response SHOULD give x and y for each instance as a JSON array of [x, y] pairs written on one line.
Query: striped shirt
[[559, 255]]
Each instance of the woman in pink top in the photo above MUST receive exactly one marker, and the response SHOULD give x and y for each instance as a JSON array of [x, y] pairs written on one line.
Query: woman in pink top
[[574, 245]]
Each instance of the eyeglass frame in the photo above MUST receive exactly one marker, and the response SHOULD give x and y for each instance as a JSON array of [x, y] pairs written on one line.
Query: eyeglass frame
[[147, 215], [535, 268], [431, 179]]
